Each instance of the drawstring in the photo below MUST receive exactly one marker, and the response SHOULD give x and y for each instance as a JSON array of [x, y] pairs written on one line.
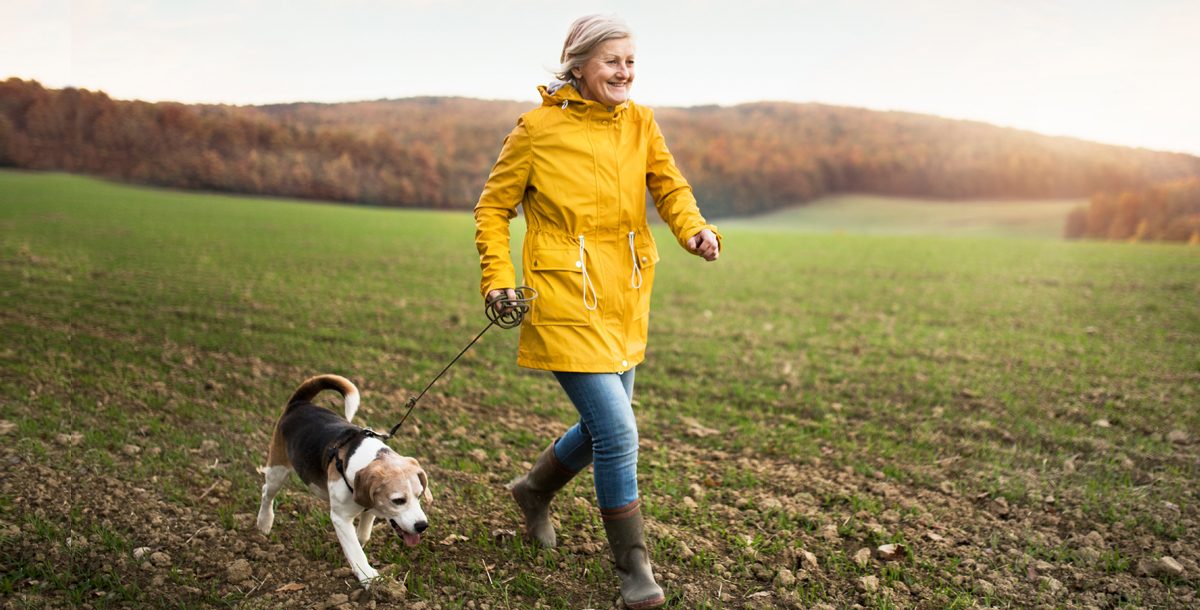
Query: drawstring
[[587, 281], [635, 279], [564, 106]]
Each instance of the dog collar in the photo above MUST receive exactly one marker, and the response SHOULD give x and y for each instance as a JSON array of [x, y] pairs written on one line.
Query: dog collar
[[334, 453]]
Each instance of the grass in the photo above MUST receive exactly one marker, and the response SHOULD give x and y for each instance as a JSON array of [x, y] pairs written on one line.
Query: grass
[[864, 389], [881, 215]]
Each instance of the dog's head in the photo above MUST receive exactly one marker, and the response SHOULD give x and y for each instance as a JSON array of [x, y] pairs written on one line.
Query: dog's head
[[392, 487]]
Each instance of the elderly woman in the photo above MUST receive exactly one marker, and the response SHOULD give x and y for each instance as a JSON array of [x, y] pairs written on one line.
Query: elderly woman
[[581, 165]]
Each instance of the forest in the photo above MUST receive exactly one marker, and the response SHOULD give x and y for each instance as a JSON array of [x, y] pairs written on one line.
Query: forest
[[435, 152], [1168, 212]]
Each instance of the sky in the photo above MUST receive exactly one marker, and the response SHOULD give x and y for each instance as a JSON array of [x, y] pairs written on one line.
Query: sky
[[1121, 72]]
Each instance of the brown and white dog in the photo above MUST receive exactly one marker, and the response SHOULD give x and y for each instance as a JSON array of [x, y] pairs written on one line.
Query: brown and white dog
[[352, 470]]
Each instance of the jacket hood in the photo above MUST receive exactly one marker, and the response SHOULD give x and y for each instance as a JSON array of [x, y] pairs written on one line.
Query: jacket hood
[[558, 93]]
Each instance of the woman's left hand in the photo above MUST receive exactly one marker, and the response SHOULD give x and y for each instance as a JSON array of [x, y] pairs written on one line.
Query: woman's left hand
[[704, 244]]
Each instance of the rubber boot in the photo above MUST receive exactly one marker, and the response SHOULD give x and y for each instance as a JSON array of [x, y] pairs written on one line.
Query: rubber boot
[[534, 491], [624, 528]]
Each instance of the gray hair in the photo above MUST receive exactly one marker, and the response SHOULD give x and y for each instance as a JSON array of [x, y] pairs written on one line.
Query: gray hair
[[582, 39]]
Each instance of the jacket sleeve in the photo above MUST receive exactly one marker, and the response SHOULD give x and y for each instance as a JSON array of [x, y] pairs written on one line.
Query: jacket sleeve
[[502, 193], [671, 192]]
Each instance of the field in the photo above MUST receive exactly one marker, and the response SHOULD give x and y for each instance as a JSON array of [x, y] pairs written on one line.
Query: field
[[1018, 414], [879, 215]]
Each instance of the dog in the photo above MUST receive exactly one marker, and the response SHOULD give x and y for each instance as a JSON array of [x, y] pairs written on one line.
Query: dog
[[347, 466]]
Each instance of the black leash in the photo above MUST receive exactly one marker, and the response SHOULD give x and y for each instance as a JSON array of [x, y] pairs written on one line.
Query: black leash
[[500, 311]]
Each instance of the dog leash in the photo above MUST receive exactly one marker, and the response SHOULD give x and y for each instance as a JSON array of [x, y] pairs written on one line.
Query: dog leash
[[514, 312], [511, 317]]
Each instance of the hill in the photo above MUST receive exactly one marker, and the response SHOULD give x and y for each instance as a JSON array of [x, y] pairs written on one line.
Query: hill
[[436, 152]]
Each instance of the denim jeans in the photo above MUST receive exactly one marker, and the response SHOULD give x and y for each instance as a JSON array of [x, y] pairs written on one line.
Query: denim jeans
[[606, 434]]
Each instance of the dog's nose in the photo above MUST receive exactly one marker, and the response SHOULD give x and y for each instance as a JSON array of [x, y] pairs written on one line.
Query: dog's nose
[[420, 526]]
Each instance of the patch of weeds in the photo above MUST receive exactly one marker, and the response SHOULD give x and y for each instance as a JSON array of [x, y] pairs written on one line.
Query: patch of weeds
[[1061, 553], [1173, 530], [33, 449], [739, 478], [881, 602], [703, 560], [69, 570], [463, 464], [896, 473], [595, 572], [811, 593], [847, 527], [528, 585], [953, 599], [864, 503], [312, 534], [1113, 562], [225, 516], [842, 565], [894, 572]]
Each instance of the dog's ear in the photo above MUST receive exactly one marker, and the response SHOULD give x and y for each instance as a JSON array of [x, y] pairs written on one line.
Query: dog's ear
[[426, 495], [412, 462], [365, 482]]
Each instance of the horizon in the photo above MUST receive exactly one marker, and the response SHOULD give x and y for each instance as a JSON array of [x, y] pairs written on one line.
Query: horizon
[[735, 105], [1104, 72]]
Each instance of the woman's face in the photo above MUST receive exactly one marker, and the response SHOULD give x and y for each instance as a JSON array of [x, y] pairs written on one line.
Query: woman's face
[[608, 74]]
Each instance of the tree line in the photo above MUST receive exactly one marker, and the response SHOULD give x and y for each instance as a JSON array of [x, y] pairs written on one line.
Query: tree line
[[1169, 211], [436, 152]]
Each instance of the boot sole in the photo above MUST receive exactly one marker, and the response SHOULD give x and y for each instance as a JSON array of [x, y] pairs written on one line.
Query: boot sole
[[646, 603]]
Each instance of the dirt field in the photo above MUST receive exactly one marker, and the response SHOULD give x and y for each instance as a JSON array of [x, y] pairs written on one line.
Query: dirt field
[[1016, 417]]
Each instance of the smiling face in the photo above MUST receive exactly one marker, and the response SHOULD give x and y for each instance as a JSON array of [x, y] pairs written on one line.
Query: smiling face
[[608, 74]]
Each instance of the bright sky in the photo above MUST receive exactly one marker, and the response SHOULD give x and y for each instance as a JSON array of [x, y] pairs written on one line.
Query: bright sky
[[1117, 71]]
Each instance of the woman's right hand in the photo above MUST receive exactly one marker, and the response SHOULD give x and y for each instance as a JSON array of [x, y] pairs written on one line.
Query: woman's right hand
[[705, 245], [496, 299]]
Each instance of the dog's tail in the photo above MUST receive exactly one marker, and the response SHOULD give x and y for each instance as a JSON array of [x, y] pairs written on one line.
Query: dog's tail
[[313, 386]]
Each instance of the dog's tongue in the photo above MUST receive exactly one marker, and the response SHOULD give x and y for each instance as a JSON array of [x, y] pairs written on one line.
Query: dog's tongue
[[409, 539]]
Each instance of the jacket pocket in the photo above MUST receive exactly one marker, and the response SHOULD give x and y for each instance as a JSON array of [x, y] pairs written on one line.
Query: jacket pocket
[[647, 256], [557, 276]]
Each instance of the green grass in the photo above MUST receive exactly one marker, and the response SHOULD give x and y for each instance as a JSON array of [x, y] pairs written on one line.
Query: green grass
[[850, 378], [880, 215]]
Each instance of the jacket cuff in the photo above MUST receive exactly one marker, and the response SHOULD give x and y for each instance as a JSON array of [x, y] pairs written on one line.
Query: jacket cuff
[[497, 284]]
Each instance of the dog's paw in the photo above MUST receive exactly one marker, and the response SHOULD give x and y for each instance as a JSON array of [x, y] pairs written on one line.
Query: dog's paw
[[369, 576], [265, 522]]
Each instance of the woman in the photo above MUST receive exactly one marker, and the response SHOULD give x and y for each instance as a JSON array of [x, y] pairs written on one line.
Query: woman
[[580, 165]]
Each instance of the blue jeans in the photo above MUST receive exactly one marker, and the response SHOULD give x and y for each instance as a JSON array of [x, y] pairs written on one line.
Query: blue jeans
[[606, 433]]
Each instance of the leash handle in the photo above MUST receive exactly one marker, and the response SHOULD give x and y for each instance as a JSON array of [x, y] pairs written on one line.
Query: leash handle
[[514, 310]]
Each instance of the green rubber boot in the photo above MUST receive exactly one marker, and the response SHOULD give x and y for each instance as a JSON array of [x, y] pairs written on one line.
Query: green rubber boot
[[625, 536], [534, 491]]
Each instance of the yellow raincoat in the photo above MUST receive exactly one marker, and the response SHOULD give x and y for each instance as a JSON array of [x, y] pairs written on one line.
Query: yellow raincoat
[[581, 170]]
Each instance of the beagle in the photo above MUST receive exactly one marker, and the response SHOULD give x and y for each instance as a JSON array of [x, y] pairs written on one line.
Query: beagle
[[347, 466]]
